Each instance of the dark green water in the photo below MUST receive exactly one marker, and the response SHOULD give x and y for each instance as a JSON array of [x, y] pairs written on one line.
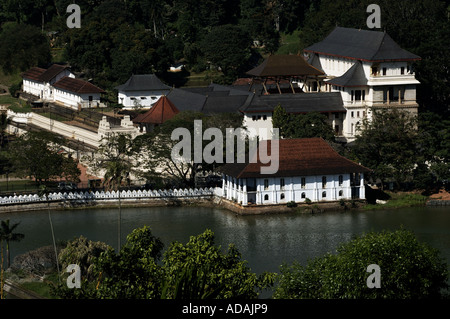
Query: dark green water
[[264, 241]]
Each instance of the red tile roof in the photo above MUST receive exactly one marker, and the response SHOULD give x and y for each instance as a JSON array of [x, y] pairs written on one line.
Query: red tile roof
[[44, 75], [298, 157], [33, 73], [162, 111], [77, 86], [284, 65]]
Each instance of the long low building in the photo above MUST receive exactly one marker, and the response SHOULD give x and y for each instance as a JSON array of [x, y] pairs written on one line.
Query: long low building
[[58, 84], [308, 168]]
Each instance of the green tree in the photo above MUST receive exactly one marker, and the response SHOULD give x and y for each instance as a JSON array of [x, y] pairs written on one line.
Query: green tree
[[307, 125], [23, 46], [409, 270], [8, 235], [36, 155], [224, 272], [228, 47], [388, 145], [81, 251], [116, 160]]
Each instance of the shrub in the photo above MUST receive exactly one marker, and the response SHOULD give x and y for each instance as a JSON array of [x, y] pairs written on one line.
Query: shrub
[[291, 204], [409, 270]]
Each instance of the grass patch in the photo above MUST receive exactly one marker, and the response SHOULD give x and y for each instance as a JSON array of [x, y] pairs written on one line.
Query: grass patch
[[9, 79], [290, 43], [398, 200], [16, 105]]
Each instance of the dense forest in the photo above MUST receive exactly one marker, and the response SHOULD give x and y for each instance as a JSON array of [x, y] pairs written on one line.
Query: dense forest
[[120, 37]]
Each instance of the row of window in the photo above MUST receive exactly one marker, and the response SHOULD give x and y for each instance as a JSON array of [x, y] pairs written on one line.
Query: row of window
[[357, 113], [303, 195], [303, 182], [143, 98], [258, 117]]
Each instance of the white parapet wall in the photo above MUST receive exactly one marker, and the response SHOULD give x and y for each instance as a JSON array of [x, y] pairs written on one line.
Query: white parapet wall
[[109, 196]]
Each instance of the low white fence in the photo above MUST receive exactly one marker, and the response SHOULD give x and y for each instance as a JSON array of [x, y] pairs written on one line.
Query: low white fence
[[110, 195]]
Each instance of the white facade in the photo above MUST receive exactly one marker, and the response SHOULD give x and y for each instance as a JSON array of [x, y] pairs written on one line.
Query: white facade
[[75, 100], [44, 90], [389, 84], [281, 190], [138, 99]]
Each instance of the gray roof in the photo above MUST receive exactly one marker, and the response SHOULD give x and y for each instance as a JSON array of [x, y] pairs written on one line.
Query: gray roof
[[297, 103], [143, 82], [372, 46], [185, 100], [353, 77]]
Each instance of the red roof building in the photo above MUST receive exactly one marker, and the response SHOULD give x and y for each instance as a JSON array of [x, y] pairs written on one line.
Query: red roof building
[[305, 168], [162, 111]]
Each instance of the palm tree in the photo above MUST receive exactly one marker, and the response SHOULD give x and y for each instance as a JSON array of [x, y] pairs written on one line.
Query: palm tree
[[7, 234], [44, 192]]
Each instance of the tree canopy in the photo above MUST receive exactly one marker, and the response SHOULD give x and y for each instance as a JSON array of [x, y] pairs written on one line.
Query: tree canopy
[[409, 269], [198, 269]]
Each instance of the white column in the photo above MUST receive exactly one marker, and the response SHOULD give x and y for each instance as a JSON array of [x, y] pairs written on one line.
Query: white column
[[244, 192], [362, 190]]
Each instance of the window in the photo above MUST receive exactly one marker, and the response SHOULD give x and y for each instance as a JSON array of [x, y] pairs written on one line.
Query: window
[[303, 182], [282, 196], [357, 113], [341, 193], [143, 98], [336, 115], [266, 184], [254, 118], [154, 97], [402, 70], [324, 181], [264, 117], [282, 183], [364, 113], [266, 197], [336, 129], [341, 180], [358, 95], [353, 114], [374, 70], [132, 98], [324, 194], [303, 195], [259, 117], [384, 71]]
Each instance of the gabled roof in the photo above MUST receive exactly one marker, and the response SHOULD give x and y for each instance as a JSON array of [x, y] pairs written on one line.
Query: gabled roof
[[353, 77], [162, 111], [365, 45], [297, 157], [44, 75], [143, 82], [77, 86], [284, 66], [297, 103]]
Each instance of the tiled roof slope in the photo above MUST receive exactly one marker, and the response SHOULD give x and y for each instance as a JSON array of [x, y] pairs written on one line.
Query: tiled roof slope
[[77, 86], [162, 111], [365, 45], [43, 75], [298, 157], [284, 65]]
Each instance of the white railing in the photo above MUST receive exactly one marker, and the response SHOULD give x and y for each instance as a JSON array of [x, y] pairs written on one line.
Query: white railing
[[109, 195]]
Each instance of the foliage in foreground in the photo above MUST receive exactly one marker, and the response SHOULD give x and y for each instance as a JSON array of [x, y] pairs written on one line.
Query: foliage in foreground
[[197, 270], [409, 270]]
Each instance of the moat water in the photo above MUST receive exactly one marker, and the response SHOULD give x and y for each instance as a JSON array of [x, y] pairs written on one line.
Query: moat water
[[265, 241]]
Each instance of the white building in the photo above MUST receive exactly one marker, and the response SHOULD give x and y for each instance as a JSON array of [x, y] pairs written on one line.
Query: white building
[[77, 93], [369, 69], [308, 169], [141, 91], [39, 82]]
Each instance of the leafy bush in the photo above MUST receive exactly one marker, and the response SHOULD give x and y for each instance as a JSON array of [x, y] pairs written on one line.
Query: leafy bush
[[409, 270], [291, 204]]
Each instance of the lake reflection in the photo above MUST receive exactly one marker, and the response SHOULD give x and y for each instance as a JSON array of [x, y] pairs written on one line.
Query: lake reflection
[[264, 241]]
